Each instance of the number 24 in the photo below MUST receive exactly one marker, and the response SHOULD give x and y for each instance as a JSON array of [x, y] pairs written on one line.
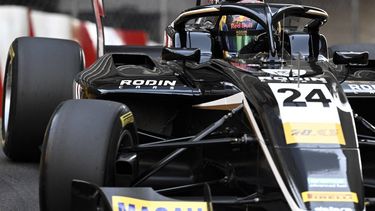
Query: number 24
[[291, 100]]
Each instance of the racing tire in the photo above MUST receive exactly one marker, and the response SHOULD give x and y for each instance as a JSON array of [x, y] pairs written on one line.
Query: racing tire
[[82, 142], [39, 75]]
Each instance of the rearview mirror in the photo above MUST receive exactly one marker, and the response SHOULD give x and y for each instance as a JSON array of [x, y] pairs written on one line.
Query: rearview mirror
[[184, 54], [351, 58]]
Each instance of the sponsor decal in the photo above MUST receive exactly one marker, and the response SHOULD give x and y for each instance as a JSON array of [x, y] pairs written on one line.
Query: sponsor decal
[[126, 119], [308, 113], [359, 87], [333, 209], [241, 22], [11, 54], [327, 182], [362, 87], [312, 196], [291, 79], [285, 72], [313, 133], [121, 203], [153, 83]]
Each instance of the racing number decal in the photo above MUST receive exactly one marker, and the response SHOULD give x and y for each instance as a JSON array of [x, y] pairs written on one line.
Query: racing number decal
[[291, 100], [320, 97], [316, 95], [308, 114]]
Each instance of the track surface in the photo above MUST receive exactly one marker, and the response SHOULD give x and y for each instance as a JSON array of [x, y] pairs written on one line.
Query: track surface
[[18, 185]]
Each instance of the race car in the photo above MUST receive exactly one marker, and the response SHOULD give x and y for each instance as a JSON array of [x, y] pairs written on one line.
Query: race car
[[243, 111]]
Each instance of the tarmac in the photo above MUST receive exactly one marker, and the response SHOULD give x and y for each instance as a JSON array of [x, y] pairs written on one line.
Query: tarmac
[[18, 185]]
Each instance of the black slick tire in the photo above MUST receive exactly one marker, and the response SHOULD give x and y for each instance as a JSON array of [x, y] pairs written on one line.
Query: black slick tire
[[81, 142], [39, 75]]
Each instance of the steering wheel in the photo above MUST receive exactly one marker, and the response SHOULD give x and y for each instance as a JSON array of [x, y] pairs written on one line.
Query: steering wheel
[[260, 43]]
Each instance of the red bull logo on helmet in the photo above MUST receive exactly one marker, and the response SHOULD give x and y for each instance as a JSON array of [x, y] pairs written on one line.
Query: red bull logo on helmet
[[241, 22]]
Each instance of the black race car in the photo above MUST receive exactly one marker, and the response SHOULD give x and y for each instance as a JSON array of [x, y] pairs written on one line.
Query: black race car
[[244, 111]]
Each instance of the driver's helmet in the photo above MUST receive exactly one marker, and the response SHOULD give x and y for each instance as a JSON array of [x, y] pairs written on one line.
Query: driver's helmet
[[234, 31]]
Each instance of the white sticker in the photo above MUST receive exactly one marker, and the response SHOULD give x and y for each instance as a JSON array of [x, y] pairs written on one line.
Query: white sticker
[[315, 182], [308, 113], [333, 209]]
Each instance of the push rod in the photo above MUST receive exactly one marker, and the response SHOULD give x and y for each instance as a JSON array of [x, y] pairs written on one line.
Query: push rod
[[163, 162], [189, 144]]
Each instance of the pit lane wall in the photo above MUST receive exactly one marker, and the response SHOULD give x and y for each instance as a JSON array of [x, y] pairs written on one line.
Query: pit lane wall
[[17, 21]]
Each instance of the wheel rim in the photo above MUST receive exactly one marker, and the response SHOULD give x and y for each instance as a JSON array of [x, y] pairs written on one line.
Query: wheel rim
[[126, 140], [7, 99]]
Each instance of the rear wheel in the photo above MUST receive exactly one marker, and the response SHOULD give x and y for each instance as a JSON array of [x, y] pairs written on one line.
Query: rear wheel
[[39, 75], [82, 142]]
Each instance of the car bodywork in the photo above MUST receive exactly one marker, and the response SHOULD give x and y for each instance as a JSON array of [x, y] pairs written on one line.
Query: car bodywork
[[266, 131]]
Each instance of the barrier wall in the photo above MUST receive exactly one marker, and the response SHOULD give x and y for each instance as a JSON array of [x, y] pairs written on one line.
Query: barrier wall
[[17, 21]]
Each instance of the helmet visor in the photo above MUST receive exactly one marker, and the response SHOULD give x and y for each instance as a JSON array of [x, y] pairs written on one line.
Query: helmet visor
[[235, 30]]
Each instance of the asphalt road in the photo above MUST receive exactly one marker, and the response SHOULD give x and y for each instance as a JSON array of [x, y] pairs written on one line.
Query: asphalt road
[[18, 185]]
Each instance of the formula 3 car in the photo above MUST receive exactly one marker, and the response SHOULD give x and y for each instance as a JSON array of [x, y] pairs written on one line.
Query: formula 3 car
[[244, 111]]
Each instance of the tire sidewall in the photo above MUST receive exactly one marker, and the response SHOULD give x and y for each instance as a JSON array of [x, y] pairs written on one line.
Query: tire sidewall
[[11, 68], [105, 167]]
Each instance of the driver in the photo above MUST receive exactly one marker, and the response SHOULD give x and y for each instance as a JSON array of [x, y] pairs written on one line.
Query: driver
[[234, 30]]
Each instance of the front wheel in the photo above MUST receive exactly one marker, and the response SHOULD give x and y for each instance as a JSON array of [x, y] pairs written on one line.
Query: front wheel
[[82, 142]]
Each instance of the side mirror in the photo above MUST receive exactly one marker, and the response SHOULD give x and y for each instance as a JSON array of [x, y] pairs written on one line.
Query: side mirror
[[351, 58], [184, 54]]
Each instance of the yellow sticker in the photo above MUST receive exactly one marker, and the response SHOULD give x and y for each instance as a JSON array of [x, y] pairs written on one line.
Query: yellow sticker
[[11, 54], [122, 203], [310, 196], [126, 119], [313, 133]]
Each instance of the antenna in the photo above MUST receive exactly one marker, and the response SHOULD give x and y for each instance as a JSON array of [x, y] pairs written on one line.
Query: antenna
[[282, 40], [299, 67]]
